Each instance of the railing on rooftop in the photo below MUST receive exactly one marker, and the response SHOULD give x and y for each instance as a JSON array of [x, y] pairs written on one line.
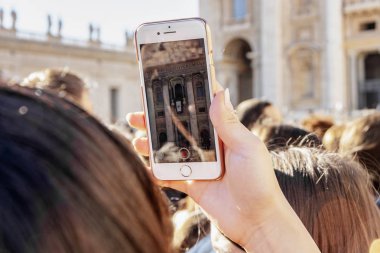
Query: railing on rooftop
[[24, 35], [360, 5]]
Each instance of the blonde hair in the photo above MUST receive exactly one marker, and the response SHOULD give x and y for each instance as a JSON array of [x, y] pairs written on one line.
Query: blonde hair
[[332, 137], [361, 140]]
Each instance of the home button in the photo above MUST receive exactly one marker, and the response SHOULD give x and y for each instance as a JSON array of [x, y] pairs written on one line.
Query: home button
[[185, 171]]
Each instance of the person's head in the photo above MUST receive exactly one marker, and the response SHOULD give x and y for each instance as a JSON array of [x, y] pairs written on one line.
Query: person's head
[[254, 111], [332, 137], [317, 124], [283, 136], [62, 82], [331, 196], [361, 139], [69, 185], [190, 228]]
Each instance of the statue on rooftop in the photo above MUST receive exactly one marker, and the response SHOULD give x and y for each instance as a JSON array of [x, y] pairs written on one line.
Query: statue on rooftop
[[14, 19], [91, 31], [49, 24], [60, 25], [1, 18]]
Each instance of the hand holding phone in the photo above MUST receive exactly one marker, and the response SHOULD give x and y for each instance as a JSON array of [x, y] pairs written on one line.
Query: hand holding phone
[[247, 204]]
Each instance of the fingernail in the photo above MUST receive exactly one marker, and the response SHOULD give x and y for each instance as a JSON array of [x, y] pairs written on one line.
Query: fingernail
[[227, 99], [128, 117]]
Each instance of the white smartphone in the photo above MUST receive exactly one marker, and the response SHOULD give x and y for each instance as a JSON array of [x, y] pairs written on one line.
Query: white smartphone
[[175, 61]]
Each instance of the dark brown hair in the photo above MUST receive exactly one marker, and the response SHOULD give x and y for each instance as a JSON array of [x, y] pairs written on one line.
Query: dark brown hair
[[361, 139], [332, 197], [69, 185], [283, 136], [251, 112]]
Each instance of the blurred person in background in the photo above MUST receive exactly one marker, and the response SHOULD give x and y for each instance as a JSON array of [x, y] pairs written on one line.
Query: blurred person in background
[[332, 137], [332, 196], [317, 124], [361, 140], [255, 112], [283, 136], [62, 82], [70, 185]]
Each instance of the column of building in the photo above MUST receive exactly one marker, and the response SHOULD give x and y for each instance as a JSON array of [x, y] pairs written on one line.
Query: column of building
[[270, 51], [333, 84], [353, 70]]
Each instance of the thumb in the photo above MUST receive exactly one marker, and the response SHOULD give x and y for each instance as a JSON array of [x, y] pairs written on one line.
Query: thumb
[[233, 134]]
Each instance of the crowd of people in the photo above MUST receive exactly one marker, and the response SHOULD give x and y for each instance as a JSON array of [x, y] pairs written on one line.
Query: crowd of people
[[69, 183]]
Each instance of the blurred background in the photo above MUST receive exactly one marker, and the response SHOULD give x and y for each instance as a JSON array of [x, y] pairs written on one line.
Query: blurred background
[[302, 55]]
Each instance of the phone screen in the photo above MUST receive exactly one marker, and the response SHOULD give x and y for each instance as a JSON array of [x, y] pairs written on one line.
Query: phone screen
[[178, 100]]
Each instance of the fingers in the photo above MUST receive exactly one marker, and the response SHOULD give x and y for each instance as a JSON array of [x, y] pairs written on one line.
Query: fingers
[[141, 146], [137, 120], [234, 135]]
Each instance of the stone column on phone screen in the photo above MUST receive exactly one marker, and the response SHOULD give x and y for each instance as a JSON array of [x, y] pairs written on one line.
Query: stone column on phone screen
[[192, 107], [152, 115], [168, 119], [208, 102]]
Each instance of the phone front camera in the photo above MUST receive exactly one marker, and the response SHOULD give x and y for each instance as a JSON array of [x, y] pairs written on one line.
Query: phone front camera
[[169, 26], [158, 33]]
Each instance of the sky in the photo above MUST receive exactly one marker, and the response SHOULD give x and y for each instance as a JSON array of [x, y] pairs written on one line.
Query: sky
[[113, 16]]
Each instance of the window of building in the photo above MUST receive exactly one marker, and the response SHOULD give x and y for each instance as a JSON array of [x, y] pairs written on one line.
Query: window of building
[[177, 94], [114, 100], [160, 114], [158, 92], [368, 26], [162, 138], [202, 109], [159, 97], [303, 7], [182, 141], [239, 9], [200, 90], [205, 139]]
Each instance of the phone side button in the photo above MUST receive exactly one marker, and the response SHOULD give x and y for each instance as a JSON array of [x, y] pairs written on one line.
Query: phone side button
[[186, 171]]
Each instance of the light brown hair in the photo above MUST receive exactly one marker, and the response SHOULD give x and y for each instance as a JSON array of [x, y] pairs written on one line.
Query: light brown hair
[[317, 124], [331, 195], [60, 81]]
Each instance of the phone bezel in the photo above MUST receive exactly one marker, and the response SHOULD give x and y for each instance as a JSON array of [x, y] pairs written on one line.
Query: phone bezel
[[185, 29]]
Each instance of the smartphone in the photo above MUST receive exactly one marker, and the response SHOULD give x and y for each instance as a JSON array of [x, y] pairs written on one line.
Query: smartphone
[[175, 60]]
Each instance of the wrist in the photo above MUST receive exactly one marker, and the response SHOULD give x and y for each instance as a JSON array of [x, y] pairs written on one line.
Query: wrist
[[282, 231]]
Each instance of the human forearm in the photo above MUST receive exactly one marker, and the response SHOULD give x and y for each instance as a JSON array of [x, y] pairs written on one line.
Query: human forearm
[[282, 234]]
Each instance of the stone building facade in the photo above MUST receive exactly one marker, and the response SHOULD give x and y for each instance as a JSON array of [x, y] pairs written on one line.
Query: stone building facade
[[111, 72], [178, 94], [299, 54]]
